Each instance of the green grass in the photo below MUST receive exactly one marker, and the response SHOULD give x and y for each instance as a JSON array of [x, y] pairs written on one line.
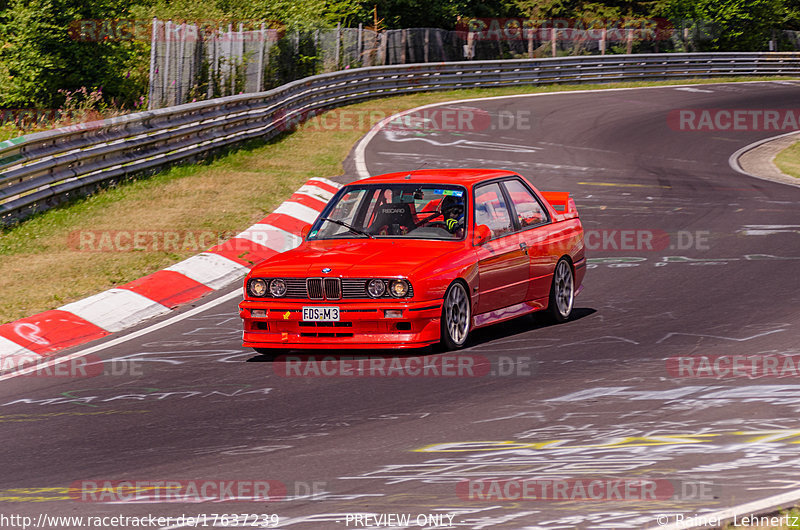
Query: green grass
[[788, 160], [39, 270]]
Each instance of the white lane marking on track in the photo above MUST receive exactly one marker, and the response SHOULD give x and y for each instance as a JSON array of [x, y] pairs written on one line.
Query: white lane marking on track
[[120, 340], [692, 89]]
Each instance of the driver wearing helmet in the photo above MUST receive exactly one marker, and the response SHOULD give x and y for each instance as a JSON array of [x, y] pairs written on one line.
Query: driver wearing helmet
[[453, 213]]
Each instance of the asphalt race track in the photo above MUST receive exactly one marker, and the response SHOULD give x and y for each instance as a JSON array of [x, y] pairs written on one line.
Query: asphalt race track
[[712, 268]]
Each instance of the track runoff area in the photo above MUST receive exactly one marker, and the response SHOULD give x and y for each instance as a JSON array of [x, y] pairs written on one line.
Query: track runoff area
[[669, 400]]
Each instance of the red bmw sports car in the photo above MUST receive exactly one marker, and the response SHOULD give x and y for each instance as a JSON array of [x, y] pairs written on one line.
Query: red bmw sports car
[[406, 260]]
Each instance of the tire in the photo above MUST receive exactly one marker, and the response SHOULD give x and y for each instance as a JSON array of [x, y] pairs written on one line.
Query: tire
[[456, 317], [562, 292]]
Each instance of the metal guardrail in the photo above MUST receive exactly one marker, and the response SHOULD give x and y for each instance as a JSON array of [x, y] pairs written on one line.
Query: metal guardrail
[[44, 169]]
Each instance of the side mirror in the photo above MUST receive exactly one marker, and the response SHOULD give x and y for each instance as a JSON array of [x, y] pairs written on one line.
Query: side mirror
[[304, 231], [482, 235]]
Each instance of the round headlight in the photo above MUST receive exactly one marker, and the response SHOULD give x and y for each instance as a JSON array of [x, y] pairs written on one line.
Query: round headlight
[[277, 288], [376, 288], [398, 288], [257, 287]]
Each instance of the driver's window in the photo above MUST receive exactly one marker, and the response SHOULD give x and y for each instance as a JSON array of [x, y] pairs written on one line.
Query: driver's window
[[491, 210]]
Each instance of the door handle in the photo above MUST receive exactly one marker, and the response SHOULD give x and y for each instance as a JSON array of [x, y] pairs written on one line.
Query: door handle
[[524, 247]]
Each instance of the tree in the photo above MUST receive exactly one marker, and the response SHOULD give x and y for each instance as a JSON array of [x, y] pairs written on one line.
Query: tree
[[727, 25], [40, 54]]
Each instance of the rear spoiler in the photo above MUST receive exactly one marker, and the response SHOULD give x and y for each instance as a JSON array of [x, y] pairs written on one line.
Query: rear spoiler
[[562, 203]]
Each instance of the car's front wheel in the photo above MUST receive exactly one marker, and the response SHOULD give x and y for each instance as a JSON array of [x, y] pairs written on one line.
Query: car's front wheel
[[456, 316], [562, 292]]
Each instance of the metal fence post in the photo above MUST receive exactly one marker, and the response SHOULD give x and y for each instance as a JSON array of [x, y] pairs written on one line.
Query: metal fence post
[[553, 41], [359, 50], [151, 89], [603, 41], [530, 42], [338, 45], [181, 30], [241, 66], [230, 66], [427, 44], [168, 40], [211, 53], [262, 40]]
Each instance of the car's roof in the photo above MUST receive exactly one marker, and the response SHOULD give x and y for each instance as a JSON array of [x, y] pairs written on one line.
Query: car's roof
[[463, 176]]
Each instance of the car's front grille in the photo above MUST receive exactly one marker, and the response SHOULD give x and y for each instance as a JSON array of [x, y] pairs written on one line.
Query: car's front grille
[[331, 289], [296, 288], [314, 286]]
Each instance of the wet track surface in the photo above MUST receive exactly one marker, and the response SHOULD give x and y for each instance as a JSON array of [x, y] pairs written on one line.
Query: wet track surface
[[596, 397]]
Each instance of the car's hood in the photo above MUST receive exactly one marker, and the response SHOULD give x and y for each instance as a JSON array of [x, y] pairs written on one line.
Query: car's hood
[[356, 258]]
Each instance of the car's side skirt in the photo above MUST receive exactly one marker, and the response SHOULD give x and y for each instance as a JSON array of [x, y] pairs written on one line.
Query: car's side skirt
[[507, 313]]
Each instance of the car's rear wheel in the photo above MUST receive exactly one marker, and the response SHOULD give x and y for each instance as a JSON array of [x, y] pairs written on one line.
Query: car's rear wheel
[[456, 316], [562, 292]]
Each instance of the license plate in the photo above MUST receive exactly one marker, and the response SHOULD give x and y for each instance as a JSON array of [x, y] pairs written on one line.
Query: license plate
[[321, 314]]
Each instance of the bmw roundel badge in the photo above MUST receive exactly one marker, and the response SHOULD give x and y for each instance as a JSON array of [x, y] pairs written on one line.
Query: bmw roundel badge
[[326, 270]]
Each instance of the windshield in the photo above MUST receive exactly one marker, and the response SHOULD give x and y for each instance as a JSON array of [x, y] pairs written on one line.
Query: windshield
[[396, 211]]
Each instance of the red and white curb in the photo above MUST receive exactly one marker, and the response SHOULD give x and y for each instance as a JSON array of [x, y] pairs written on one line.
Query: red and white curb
[[130, 304]]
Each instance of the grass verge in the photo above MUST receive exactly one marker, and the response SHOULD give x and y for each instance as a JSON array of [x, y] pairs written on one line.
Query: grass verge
[[788, 160], [40, 269]]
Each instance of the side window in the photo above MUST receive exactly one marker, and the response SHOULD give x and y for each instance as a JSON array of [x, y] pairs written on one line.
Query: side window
[[491, 210], [528, 210]]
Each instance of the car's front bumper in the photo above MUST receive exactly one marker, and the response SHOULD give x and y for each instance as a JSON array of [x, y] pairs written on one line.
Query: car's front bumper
[[361, 325]]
